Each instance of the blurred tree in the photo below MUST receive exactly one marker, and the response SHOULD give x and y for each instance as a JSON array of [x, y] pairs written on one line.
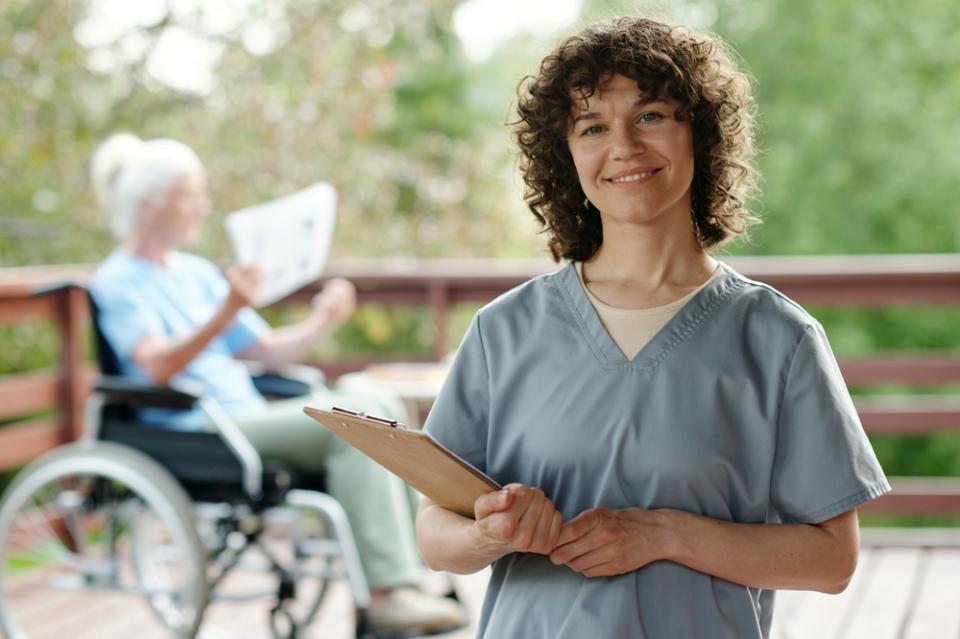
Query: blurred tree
[[371, 95], [858, 119], [859, 126]]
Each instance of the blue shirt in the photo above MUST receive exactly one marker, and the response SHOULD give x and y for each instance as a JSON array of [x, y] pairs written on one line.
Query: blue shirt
[[137, 298], [735, 410]]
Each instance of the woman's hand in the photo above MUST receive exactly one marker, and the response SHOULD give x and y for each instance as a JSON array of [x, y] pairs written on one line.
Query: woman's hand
[[245, 283], [602, 542], [163, 356], [518, 518], [336, 302]]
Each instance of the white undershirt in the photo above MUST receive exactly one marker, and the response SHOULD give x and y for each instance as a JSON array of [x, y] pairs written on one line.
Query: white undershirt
[[632, 328]]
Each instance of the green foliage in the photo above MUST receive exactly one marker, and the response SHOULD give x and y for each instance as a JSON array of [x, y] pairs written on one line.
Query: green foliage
[[910, 521], [934, 455], [377, 330], [858, 118], [27, 347], [863, 331], [371, 96], [858, 124]]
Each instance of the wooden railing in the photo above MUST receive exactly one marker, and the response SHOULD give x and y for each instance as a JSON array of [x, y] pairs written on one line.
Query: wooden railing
[[863, 282]]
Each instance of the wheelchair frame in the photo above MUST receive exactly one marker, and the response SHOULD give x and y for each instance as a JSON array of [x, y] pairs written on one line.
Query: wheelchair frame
[[138, 461], [123, 478]]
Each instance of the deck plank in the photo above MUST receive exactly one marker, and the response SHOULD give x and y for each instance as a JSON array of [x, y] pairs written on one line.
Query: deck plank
[[883, 609], [799, 614], [937, 608], [897, 593]]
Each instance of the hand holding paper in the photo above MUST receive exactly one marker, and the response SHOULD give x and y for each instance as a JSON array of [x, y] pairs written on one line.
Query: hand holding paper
[[289, 237], [336, 301], [245, 281]]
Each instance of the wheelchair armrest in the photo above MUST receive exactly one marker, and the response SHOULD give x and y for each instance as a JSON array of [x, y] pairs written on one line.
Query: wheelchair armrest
[[309, 375], [288, 380], [139, 394], [273, 385]]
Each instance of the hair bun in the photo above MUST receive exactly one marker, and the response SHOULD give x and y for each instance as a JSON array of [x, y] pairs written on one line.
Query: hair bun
[[107, 163]]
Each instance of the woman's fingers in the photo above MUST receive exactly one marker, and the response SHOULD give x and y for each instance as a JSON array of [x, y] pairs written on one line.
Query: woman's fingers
[[492, 503], [578, 536], [245, 281], [556, 525], [520, 517], [548, 529], [579, 526], [592, 563], [338, 299], [530, 534]]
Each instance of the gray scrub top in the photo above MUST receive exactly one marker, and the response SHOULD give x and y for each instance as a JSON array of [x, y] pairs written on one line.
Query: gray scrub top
[[735, 410]]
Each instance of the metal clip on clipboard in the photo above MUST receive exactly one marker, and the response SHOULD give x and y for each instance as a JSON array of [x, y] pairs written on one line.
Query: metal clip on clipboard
[[362, 415]]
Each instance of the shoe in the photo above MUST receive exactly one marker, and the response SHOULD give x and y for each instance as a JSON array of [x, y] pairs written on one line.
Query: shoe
[[406, 609]]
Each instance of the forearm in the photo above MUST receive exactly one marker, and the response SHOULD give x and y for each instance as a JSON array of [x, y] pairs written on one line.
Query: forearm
[[163, 358], [287, 344], [774, 556], [448, 541]]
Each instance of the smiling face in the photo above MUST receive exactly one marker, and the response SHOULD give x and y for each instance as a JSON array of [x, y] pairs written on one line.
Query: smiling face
[[633, 157]]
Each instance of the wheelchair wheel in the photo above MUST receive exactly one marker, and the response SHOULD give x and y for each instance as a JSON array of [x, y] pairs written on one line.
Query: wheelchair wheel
[[313, 564], [69, 525], [305, 553]]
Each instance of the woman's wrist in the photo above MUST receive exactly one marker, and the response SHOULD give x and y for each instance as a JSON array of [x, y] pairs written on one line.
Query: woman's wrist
[[486, 547], [672, 538], [234, 303]]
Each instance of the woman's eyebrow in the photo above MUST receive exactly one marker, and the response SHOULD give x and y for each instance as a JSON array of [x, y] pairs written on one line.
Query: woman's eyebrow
[[591, 115], [644, 101], [640, 102]]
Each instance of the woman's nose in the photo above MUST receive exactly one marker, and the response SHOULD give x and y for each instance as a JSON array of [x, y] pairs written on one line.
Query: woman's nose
[[627, 142]]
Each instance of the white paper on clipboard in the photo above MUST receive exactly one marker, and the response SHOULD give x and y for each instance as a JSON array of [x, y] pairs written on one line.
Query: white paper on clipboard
[[289, 237]]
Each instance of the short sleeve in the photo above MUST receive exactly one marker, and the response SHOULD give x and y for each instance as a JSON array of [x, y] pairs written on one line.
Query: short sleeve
[[245, 330], [824, 464], [122, 317], [459, 417], [248, 325]]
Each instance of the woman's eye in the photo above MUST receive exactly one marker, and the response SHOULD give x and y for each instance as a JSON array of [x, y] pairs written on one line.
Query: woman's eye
[[650, 116], [592, 130]]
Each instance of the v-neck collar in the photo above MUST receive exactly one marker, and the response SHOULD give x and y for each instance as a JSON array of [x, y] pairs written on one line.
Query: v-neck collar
[[665, 341]]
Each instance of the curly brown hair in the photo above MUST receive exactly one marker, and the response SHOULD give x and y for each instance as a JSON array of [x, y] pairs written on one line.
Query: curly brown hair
[[668, 62]]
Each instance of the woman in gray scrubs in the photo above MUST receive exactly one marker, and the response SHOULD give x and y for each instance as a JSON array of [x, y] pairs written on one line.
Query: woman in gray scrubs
[[676, 440]]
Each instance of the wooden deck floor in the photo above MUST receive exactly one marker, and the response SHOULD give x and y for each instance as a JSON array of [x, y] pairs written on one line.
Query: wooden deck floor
[[903, 589], [896, 593]]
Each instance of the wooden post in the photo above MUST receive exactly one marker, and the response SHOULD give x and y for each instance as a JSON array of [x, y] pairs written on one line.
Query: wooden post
[[72, 310], [440, 301]]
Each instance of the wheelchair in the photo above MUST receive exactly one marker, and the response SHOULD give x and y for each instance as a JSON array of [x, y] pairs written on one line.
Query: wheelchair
[[163, 517]]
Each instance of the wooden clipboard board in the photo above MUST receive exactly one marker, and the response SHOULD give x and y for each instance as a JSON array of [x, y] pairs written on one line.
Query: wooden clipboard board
[[412, 455]]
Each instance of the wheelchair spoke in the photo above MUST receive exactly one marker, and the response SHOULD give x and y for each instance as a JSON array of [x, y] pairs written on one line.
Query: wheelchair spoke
[[38, 537], [68, 533]]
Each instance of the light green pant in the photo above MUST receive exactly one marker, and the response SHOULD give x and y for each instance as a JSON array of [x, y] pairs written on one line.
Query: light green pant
[[381, 508]]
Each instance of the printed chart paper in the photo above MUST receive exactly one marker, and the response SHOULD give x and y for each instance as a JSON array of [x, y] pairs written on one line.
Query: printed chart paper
[[289, 237]]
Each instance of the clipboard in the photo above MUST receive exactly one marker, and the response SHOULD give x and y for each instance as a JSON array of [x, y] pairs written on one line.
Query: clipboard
[[412, 455]]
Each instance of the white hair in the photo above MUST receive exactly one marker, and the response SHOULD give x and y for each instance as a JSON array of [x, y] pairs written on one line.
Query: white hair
[[128, 172]]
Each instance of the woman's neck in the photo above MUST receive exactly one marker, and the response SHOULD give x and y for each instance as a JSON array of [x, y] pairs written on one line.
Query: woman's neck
[[644, 268], [148, 248]]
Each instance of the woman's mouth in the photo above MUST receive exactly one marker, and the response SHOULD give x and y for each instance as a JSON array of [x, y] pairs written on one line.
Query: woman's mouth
[[631, 177]]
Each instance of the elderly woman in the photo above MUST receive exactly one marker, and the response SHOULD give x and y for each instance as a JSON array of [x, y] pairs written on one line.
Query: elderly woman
[[173, 316], [676, 440]]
